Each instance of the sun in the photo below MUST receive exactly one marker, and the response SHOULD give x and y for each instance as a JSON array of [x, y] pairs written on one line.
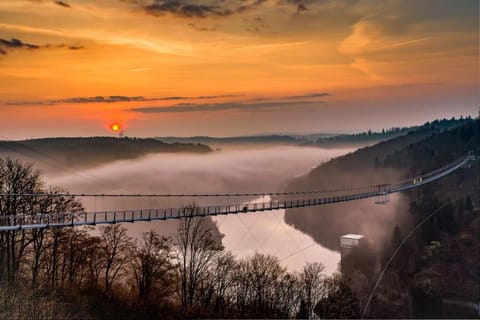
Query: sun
[[115, 127]]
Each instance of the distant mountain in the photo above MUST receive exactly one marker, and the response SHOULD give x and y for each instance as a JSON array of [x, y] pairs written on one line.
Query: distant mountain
[[356, 140], [241, 140], [322, 140], [65, 153]]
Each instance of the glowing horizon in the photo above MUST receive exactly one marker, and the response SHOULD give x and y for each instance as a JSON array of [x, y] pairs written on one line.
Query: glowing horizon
[[233, 68]]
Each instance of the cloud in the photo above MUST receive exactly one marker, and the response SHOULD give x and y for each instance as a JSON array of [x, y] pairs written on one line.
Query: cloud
[[365, 66], [99, 99], [185, 8], [368, 36], [407, 23], [310, 95], [301, 5], [130, 99], [116, 98], [198, 28], [63, 45], [16, 44], [270, 101], [13, 44], [248, 5], [76, 47], [296, 97], [63, 4], [200, 8], [257, 24], [192, 107]]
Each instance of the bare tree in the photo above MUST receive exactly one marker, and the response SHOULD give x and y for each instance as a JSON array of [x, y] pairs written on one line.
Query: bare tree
[[221, 283], [93, 260], [287, 296], [311, 284], [259, 279], [152, 266], [337, 301], [116, 245], [196, 250], [15, 179], [62, 208]]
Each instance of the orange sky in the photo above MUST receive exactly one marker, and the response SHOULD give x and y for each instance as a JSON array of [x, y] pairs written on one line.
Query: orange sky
[[211, 67]]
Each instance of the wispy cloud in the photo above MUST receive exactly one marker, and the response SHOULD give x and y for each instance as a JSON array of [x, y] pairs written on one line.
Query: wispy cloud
[[16, 44], [312, 95], [63, 4], [301, 5], [309, 95], [76, 47], [170, 48], [185, 9], [192, 107], [114, 99], [266, 101], [200, 8], [198, 28]]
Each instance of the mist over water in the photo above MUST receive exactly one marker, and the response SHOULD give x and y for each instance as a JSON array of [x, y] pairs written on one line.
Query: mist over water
[[229, 171]]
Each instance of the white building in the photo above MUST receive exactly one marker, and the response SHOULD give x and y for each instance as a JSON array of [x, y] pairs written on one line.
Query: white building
[[347, 242], [350, 240]]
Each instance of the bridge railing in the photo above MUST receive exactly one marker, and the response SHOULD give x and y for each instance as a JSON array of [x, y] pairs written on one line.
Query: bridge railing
[[431, 175], [60, 219], [117, 216]]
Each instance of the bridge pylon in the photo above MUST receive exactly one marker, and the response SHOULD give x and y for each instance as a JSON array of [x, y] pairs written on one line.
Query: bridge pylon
[[383, 194]]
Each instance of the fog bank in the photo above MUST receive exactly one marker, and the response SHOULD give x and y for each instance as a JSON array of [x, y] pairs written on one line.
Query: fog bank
[[228, 171]]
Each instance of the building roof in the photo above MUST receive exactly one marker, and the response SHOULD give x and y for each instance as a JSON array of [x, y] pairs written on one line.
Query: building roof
[[353, 236]]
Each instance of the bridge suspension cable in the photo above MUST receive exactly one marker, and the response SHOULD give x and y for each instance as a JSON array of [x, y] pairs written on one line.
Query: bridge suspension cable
[[70, 219], [186, 195]]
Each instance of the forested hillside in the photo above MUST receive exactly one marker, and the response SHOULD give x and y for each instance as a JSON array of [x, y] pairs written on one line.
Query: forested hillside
[[358, 139], [436, 272], [220, 141], [360, 168], [48, 153], [439, 267]]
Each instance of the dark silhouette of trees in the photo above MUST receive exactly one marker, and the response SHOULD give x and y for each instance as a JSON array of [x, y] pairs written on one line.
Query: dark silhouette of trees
[[311, 284], [19, 246], [427, 295], [219, 290], [196, 250], [259, 282], [153, 268], [15, 178], [116, 250], [338, 301]]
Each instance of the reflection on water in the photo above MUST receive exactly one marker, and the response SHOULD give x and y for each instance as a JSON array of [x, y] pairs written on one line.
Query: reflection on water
[[266, 232]]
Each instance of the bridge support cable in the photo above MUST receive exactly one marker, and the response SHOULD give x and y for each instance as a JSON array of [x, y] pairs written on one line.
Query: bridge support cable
[[72, 219]]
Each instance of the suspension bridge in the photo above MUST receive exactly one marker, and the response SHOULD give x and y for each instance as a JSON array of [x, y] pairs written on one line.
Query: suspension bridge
[[308, 198]]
